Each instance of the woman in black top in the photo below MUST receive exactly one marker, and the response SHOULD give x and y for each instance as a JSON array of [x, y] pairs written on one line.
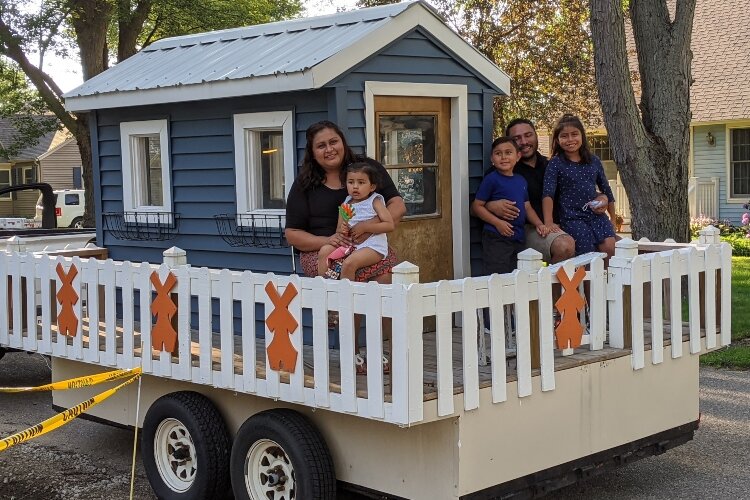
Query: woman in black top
[[318, 190]]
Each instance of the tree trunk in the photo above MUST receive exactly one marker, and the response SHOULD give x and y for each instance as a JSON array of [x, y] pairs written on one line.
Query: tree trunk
[[650, 147], [129, 25], [83, 137], [90, 20]]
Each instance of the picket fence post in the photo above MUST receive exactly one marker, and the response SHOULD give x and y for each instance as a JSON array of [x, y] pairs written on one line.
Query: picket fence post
[[618, 294], [407, 368], [531, 261]]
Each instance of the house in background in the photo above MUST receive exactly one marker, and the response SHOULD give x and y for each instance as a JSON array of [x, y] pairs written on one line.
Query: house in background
[[54, 159], [719, 181], [214, 123]]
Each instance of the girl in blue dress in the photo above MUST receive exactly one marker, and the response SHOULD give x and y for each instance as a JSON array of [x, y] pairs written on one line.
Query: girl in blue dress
[[570, 190]]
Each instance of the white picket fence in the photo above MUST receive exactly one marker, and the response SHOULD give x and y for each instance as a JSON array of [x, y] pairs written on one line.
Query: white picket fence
[[225, 356]]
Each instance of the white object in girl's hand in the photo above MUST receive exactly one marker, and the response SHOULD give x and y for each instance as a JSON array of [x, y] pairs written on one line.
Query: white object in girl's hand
[[593, 204]]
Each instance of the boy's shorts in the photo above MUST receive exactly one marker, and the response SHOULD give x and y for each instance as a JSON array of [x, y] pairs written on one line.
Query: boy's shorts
[[499, 254], [541, 245]]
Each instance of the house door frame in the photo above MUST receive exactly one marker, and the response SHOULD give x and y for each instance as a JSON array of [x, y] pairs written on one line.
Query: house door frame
[[459, 153]]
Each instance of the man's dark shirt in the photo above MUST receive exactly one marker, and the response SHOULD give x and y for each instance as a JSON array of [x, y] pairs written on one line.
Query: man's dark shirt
[[535, 179]]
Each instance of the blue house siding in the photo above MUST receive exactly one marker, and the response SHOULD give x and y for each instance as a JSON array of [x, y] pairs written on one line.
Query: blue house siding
[[711, 161], [202, 174]]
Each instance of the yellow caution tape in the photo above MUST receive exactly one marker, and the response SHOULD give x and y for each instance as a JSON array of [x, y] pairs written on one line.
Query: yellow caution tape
[[76, 383], [64, 417]]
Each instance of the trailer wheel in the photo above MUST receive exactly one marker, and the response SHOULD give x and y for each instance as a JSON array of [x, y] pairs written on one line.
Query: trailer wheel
[[185, 448], [279, 454]]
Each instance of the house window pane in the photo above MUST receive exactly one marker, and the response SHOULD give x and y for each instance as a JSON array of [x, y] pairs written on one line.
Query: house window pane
[[77, 178], [5, 183], [408, 150], [600, 147], [740, 162], [148, 170], [29, 176], [270, 158]]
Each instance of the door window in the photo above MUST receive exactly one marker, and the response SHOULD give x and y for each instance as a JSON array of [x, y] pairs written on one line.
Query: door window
[[408, 150]]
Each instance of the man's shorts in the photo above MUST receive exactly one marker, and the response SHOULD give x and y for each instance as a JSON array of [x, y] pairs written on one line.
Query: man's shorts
[[541, 245]]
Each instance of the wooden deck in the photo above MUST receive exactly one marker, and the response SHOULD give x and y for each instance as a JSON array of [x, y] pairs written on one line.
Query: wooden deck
[[580, 357]]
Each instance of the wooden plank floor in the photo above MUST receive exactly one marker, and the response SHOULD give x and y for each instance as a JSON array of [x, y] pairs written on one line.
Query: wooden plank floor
[[580, 357]]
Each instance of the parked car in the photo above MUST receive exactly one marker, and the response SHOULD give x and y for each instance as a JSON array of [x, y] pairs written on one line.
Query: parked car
[[69, 204]]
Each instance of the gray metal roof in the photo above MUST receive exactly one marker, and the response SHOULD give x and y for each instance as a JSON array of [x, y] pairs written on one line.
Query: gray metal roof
[[252, 60]]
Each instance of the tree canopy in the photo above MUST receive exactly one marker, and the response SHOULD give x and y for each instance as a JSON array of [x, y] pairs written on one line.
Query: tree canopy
[[544, 46], [103, 31]]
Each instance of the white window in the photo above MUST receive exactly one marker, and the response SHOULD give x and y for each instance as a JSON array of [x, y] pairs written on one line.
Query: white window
[[29, 175], [146, 180], [739, 162], [264, 165], [5, 183]]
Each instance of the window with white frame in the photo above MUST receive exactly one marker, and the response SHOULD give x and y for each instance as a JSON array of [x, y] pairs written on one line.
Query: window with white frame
[[146, 179], [600, 147], [739, 162], [5, 182], [264, 164], [29, 175]]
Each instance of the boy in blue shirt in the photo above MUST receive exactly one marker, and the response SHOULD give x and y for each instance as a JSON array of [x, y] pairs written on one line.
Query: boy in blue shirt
[[503, 240]]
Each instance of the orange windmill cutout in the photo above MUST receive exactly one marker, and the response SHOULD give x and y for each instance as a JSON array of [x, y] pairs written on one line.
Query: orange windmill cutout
[[281, 353], [67, 297], [570, 331], [163, 335]]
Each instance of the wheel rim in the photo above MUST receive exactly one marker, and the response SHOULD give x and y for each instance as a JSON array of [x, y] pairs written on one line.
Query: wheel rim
[[269, 474], [175, 455]]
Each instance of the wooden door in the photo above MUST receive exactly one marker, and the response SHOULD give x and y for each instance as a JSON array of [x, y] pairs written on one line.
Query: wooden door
[[413, 143]]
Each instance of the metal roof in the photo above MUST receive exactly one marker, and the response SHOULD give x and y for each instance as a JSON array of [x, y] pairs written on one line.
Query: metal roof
[[289, 55]]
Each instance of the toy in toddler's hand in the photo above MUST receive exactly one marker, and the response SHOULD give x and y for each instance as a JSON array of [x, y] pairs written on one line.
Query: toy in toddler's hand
[[346, 211], [335, 259]]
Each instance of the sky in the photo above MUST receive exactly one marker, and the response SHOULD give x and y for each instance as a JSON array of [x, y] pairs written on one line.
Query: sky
[[67, 71]]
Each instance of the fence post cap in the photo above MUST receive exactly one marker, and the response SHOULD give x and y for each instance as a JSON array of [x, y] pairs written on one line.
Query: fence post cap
[[530, 260], [709, 234], [626, 248], [15, 244], [175, 256], [405, 273]]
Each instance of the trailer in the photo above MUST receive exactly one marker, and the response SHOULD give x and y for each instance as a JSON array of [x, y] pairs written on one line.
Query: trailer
[[240, 388]]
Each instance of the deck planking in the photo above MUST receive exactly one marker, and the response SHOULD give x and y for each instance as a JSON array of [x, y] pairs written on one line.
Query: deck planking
[[581, 356]]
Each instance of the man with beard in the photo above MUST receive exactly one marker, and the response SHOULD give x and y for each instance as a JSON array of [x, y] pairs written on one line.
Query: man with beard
[[556, 246]]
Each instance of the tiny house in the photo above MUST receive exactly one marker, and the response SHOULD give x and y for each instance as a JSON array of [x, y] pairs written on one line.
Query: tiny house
[[214, 123]]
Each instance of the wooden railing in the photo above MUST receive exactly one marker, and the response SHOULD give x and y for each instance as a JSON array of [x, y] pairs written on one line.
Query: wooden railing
[[221, 313]]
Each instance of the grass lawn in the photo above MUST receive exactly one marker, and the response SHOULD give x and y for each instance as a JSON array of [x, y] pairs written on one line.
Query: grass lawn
[[736, 355]]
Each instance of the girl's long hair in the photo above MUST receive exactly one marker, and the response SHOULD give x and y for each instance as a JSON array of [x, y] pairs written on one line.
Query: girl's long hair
[[311, 174], [569, 120]]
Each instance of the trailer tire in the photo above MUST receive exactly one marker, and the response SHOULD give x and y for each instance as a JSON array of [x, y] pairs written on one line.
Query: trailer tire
[[185, 448], [281, 449]]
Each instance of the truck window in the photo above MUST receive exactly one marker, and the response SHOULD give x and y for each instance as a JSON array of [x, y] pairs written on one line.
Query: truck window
[[72, 199]]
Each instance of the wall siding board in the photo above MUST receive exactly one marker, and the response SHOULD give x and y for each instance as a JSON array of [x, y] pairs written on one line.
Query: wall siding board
[[202, 144], [711, 161], [57, 168], [203, 128]]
